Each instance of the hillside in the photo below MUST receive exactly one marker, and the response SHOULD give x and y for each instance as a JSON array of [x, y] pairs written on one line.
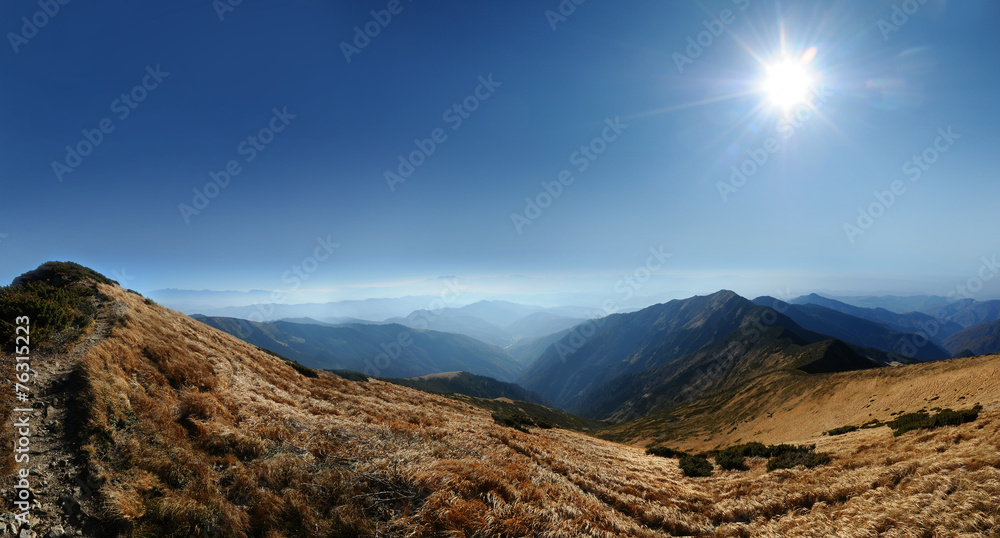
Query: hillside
[[176, 428], [937, 329], [976, 313], [620, 344], [526, 350], [979, 339], [470, 385], [858, 331], [789, 405], [387, 350], [732, 362]]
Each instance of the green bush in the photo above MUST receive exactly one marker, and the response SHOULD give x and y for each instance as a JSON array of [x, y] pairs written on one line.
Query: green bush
[[781, 456], [731, 460], [788, 460], [665, 452], [50, 310], [519, 421], [695, 466], [924, 421], [842, 430]]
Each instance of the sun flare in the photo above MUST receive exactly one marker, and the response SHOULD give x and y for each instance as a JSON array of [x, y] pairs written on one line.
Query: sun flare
[[788, 84]]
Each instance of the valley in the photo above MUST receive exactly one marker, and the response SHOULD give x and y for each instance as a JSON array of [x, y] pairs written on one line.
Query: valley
[[182, 426]]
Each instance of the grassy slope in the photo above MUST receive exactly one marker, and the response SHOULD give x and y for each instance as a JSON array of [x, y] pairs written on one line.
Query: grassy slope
[[789, 405], [197, 432]]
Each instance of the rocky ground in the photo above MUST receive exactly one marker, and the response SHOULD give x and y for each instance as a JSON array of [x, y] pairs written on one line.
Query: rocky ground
[[64, 500]]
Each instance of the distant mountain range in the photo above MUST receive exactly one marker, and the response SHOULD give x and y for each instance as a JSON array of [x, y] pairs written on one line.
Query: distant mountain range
[[861, 331], [629, 365], [387, 350], [497, 322], [980, 339], [937, 329], [965, 312]]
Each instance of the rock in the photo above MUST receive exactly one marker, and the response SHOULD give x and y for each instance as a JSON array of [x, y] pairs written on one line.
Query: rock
[[56, 532], [27, 533], [49, 411]]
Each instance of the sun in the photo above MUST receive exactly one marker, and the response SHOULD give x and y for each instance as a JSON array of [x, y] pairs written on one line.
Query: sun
[[788, 83]]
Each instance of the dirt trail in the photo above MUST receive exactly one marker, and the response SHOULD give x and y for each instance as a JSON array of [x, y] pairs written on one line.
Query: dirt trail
[[63, 501]]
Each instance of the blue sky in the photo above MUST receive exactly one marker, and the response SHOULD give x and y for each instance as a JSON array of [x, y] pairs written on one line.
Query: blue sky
[[321, 179]]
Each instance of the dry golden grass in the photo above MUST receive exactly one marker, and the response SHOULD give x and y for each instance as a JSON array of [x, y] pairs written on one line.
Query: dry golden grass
[[790, 406], [195, 430]]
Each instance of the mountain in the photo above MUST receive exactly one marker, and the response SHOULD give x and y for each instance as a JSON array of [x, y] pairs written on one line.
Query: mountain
[[728, 363], [453, 320], [601, 350], [378, 350], [255, 307], [329, 322], [540, 324], [979, 339], [499, 313], [936, 329], [468, 384], [527, 350], [146, 422], [784, 405], [976, 312], [855, 330], [928, 304], [495, 322]]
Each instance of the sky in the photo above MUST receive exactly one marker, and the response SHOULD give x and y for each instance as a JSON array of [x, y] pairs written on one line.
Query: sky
[[349, 149]]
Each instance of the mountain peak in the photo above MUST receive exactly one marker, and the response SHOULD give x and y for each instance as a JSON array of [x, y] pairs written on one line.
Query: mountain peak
[[61, 274]]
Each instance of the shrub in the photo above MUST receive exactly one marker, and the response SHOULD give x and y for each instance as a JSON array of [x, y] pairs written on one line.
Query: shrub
[[924, 421], [51, 311], [665, 452], [842, 430], [751, 450], [788, 460], [731, 460], [695, 466]]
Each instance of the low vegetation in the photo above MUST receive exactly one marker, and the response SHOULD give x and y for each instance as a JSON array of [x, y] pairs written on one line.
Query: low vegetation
[[519, 421], [925, 421], [695, 465], [842, 430]]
